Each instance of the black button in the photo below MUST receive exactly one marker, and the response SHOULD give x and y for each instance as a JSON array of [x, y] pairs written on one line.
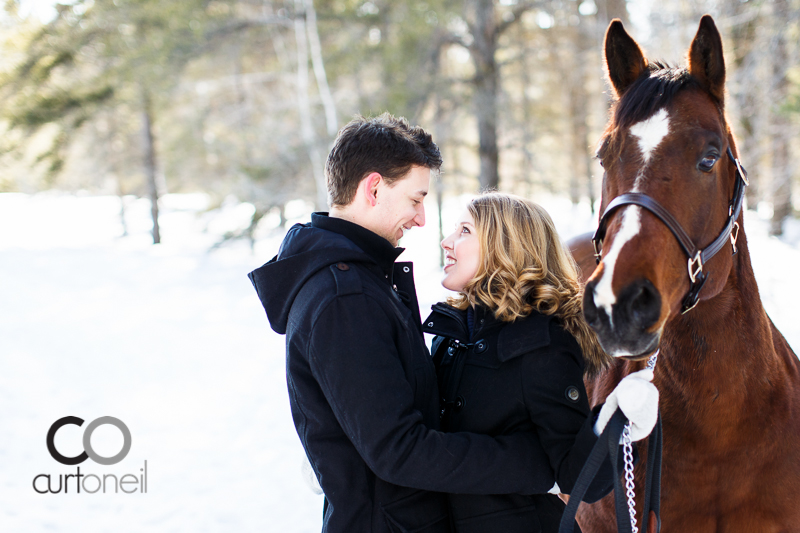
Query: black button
[[342, 266], [459, 404], [572, 393], [480, 347], [451, 350]]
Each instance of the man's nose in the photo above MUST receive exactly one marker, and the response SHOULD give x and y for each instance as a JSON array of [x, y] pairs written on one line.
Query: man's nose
[[419, 220]]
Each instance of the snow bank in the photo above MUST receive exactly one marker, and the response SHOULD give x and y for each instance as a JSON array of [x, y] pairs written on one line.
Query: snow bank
[[171, 340]]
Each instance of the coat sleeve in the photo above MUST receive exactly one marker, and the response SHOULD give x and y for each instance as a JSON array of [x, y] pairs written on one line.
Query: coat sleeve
[[559, 408], [373, 401]]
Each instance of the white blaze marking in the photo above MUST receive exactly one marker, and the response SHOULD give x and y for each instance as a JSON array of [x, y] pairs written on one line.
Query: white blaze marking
[[651, 132], [631, 224]]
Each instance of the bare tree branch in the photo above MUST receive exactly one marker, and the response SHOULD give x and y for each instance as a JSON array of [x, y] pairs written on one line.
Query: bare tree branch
[[516, 13]]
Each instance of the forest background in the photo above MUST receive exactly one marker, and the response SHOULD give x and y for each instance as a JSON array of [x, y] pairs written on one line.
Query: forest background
[[241, 99]]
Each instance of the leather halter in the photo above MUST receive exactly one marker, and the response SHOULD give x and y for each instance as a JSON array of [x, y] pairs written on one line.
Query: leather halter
[[697, 257]]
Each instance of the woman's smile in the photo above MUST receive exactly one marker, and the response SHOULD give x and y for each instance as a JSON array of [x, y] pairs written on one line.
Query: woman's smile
[[462, 245]]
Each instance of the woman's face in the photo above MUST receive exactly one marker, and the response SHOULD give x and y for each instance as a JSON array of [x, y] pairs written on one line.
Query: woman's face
[[462, 254]]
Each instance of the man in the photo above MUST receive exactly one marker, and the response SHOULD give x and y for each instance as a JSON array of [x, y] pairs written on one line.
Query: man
[[361, 382]]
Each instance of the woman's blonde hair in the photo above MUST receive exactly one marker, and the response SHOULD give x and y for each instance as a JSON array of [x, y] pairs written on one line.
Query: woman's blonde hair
[[524, 267]]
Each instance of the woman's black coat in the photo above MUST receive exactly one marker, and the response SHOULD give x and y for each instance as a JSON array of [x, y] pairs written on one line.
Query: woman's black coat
[[506, 377]]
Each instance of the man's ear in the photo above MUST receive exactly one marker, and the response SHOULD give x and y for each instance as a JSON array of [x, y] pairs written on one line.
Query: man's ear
[[370, 186]]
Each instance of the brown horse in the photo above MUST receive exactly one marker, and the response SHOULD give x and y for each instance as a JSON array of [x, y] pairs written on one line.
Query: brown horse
[[729, 383]]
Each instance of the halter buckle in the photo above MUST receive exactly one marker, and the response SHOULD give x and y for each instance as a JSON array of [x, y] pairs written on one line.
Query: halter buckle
[[734, 236], [690, 303], [597, 250], [742, 171], [695, 267]]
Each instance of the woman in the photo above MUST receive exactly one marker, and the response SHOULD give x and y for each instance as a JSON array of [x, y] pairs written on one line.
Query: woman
[[511, 351]]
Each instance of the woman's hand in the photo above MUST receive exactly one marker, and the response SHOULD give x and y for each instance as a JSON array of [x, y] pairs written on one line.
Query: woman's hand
[[637, 397]]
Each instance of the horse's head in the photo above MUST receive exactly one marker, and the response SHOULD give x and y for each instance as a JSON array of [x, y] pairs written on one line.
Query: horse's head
[[666, 143]]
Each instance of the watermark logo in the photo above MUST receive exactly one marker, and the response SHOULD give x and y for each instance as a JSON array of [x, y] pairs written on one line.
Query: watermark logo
[[87, 441], [127, 483]]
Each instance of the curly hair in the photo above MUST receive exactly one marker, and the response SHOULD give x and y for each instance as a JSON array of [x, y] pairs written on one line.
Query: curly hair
[[524, 267]]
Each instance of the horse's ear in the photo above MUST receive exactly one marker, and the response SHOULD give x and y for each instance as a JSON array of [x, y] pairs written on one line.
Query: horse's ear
[[624, 59], [706, 62]]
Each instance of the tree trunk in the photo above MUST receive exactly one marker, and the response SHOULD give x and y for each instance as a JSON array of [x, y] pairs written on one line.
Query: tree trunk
[[282, 215], [121, 193], [529, 169], [781, 127], [579, 98], [746, 59], [486, 91], [243, 108], [111, 157], [438, 185], [585, 42], [608, 10], [319, 71], [577, 112], [304, 107], [574, 80], [150, 161]]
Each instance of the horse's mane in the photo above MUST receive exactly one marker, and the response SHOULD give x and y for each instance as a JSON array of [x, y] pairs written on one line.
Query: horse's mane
[[653, 90]]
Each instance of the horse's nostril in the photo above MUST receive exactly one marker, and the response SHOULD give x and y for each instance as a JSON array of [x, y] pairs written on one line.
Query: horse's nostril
[[644, 304]]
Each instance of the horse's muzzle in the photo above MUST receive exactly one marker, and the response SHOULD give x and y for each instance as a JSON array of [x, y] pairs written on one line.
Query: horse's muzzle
[[626, 328]]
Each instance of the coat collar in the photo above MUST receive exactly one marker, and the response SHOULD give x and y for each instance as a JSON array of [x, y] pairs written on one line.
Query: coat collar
[[447, 321], [523, 335], [371, 243], [515, 338], [405, 289]]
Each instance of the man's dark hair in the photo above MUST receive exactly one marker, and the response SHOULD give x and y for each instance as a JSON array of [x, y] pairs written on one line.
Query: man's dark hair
[[385, 144]]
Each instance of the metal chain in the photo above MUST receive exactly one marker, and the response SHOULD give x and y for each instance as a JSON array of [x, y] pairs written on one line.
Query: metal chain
[[651, 362], [627, 452]]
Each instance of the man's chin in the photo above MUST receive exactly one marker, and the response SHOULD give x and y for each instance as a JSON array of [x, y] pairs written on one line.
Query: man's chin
[[392, 238]]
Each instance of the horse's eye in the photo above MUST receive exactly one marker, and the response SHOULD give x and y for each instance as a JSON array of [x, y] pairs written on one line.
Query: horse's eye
[[707, 163]]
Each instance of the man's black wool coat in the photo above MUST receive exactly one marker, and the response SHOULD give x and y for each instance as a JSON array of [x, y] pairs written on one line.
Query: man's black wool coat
[[363, 389]]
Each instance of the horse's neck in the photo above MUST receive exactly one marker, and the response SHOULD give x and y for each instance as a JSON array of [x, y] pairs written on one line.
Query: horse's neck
[[719, 364]]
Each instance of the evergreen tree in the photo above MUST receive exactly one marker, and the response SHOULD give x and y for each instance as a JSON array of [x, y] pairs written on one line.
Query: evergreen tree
[[101, 56]]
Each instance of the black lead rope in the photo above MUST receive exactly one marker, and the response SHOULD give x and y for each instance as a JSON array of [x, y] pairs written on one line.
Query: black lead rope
[[608, 446]]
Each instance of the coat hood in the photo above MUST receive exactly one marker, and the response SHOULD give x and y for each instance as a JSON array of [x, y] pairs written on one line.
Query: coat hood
[[305, 251]]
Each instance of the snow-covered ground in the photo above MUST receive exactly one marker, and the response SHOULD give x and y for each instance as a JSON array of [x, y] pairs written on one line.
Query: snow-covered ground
[[172, 340]]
